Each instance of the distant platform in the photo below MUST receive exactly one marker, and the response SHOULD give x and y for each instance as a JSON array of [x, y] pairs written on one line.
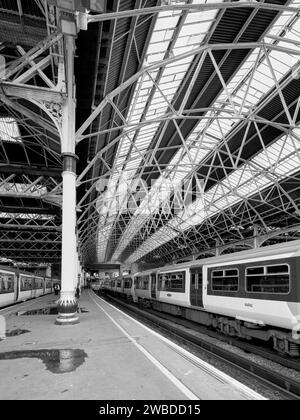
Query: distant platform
[[107, 356]]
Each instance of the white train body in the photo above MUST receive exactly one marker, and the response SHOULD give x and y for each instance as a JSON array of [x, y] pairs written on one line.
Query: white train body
[[9, 287], [253, 293], [17, 286], [142, 286], [269, 311], [175, 297]]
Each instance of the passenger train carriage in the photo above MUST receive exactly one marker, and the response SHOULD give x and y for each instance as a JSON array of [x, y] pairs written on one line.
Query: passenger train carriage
[[17, 285], [248, 294]]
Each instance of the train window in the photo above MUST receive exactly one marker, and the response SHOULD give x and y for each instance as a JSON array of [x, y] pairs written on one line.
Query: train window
[[172, 282], [218, 273], [231, 272], [142, 283], [196, 280], [38, 283], [268, 279], [277, 269], [255, 270], [225, 280], [26, 283], [6, 283], [193, 280], [127, 283], [119, 283]]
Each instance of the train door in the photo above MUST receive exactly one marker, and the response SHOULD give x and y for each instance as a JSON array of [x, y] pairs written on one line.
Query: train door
[[196, 282], [153, 285], [16, 287], [33, 286]]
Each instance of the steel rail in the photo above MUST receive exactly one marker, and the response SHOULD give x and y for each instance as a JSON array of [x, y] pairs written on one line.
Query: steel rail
[[274, 380]]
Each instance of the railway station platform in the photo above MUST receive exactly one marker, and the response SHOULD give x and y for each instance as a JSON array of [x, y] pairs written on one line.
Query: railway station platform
[[107, 356]]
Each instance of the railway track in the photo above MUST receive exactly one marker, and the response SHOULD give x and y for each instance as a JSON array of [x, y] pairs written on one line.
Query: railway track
[[258, 350], [288, 387]]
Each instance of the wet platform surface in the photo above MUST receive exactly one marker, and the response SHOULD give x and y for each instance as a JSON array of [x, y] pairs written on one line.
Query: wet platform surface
[[107, 356]]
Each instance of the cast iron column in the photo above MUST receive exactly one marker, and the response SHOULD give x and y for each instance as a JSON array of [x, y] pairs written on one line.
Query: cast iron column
[[67, 304]]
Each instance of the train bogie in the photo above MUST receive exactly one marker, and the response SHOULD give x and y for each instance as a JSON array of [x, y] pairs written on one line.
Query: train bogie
[[257, 312]]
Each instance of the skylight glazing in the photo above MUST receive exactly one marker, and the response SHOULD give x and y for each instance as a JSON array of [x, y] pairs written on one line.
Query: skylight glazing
[[9, 130], [278, 161], [259, 74], [174, 33]]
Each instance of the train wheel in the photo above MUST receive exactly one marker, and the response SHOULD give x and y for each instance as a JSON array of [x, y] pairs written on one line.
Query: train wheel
[[284, 346]]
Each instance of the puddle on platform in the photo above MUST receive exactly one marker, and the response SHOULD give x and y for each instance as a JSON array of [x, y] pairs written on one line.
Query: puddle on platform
[[14, 333], [18, 331], [46, 311], [42, 311], [56, 361]]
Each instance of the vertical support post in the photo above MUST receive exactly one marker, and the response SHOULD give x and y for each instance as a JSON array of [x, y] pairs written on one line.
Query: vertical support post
[[217, 249], [255, 236], [67, 304], [79, 271]]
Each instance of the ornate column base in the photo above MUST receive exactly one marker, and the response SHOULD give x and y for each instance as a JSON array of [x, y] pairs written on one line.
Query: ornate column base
[[67, 309]]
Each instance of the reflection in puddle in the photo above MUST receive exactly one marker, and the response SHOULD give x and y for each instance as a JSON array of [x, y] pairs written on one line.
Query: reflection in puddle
[[18, 331], [46, 311], [56, 361], [13, 333], [42, 311]]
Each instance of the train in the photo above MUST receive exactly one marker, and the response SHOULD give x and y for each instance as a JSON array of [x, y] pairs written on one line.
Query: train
[[253, 294], [18, 286]]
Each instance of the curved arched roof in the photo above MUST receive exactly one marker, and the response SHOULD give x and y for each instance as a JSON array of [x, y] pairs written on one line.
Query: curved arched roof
[[187, 130]]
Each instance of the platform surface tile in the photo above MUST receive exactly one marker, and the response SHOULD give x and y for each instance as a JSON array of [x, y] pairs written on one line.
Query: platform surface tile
[[107, 356]]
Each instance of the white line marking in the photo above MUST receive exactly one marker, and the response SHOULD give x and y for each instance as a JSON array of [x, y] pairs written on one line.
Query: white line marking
[[187, 392], [204, 364]]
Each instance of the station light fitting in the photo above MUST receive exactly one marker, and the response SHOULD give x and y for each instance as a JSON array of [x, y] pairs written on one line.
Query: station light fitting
[[68, 23], [73, 13]]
